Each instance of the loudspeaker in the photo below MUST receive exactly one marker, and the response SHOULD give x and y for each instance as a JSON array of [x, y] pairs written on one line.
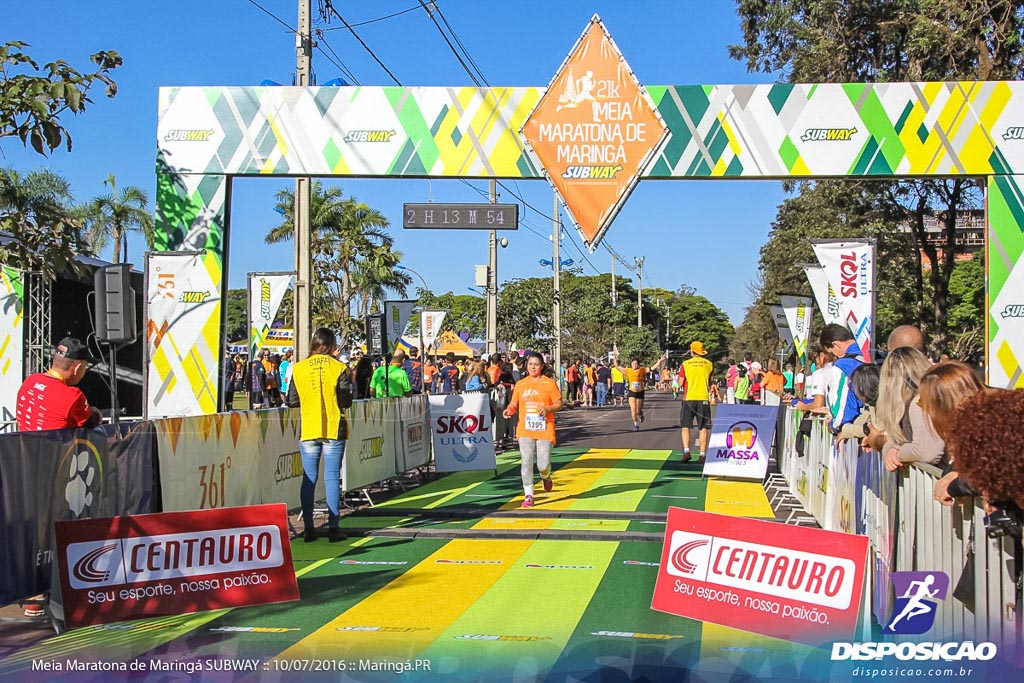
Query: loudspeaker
[[115, 305]]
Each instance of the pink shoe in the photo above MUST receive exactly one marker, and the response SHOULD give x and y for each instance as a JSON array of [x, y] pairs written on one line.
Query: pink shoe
[[528, 502], [548, 484]]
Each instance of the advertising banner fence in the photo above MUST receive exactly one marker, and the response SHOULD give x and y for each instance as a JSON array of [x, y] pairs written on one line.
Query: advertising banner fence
[[12, 345], [266, 292], [850, 268], [414, 432], [778, 580], [461, 432], [174, 563], [741, 441], [230, 459], [183, 335], [371, 454], [64, 475]]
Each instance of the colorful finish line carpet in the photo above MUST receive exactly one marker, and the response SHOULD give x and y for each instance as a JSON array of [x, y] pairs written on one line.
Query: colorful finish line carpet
[[452, 574]]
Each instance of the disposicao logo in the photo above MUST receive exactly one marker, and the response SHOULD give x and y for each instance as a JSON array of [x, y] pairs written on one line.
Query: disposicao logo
[[809, 577], [917, 595]]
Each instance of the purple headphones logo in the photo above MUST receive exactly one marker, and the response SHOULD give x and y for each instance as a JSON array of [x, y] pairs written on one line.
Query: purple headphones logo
[[741, 434]]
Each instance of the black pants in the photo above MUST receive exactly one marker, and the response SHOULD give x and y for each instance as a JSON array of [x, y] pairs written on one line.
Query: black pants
[[803, 432]]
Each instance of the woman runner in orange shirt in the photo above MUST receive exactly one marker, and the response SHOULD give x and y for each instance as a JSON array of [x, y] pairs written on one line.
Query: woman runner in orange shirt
[[536, 398]]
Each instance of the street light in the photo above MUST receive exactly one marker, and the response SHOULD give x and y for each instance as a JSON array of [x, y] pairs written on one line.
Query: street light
[[548, 263]]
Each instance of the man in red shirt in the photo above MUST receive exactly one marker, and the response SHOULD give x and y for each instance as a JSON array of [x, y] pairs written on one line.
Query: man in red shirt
[[50, 400]]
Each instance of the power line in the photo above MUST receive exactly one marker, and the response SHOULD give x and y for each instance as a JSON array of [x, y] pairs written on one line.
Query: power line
[[374, 21], [451, 47], [337, 62], [366, 47], [272, 15]]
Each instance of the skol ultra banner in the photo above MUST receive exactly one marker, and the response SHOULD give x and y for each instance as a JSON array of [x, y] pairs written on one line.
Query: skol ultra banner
[[782, 581], [430, 326], [798, 314], [12, 346], [174, 563], [782, 326], [183, 340], [741, 441], [266, 292], [396, 318], [461, 427], [850, 268], [595, 130]]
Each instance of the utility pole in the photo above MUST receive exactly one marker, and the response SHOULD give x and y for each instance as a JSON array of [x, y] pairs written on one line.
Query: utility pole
[[615, 295], [556, 305], [303, 328], [492, 281], [639, 290]]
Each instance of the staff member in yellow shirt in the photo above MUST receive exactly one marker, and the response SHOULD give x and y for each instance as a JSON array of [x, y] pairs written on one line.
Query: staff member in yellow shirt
[[696, 373], [321, 388]]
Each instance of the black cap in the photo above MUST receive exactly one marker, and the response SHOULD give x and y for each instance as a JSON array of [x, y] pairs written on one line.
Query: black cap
[[71, 348]]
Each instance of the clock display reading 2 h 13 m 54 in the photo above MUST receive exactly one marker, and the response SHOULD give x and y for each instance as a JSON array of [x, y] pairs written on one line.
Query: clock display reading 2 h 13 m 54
[[461, 216]]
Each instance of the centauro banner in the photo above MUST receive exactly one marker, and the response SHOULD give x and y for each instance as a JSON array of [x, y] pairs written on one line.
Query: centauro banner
[[779, 580], [266, 292], [850, 268], [12, 347], [183, 336], [174, 563], [798, 314], [828, 303]]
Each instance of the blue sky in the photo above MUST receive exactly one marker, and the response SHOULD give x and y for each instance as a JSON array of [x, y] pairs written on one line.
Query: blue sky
[[705, 234]]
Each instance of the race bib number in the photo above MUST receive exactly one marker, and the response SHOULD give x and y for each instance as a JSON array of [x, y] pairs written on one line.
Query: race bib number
[[535, 422], [635, 386]]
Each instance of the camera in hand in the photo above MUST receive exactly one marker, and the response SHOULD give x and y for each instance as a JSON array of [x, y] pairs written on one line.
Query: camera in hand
[[1005, 520]]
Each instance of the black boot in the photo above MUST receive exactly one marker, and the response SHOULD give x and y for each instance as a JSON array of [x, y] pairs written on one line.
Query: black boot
[[309, 535], [336, 535]]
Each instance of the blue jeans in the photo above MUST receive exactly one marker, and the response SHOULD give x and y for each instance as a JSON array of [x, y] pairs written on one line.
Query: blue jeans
[[332, 451], [602, 393]]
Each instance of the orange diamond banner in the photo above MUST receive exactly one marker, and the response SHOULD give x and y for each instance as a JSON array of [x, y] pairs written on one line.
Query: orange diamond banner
[[594, 131]]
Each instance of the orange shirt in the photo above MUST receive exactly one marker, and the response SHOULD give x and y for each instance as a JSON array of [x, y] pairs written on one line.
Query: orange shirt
[[529, 396], [428, 373], [494, 372], [636, 380], [774, 381]]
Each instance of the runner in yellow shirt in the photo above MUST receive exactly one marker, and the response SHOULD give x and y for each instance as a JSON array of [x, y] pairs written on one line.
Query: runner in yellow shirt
[[636, 381]]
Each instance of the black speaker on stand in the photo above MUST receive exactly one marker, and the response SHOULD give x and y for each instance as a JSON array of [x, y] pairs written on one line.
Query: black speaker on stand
[[115, 318]]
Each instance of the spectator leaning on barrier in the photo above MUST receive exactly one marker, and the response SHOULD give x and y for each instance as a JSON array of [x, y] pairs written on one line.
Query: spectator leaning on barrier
[[865, 381], [390, 379], [943, 389], [321, 389], [988, 459], [842, 403], [911, 436]]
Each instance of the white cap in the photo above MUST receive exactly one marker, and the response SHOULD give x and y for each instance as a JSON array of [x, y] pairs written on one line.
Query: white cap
[[485, 357], [755, 365], [343, 358]]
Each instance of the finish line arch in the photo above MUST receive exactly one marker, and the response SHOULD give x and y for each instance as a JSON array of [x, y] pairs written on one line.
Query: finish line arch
[[209, 135]]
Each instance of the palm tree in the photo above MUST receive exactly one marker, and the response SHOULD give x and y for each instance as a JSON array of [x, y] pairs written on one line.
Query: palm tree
[[350, 248], [35, 211], [113, 215]]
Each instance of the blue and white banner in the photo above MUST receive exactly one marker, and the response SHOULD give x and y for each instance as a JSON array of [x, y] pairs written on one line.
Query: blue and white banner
[[741, 441], [461, 429]]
